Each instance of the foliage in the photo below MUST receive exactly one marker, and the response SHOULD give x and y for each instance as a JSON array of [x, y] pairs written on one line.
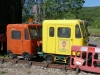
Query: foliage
[[27, 10], [92, 15], [57, 9], [62, 9]]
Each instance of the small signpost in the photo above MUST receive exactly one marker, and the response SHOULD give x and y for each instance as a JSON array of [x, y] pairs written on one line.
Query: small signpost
[[36, 11]]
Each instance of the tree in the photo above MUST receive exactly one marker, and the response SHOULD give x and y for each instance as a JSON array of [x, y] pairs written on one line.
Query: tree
[[57, 9], [61, 8], [27, 10]]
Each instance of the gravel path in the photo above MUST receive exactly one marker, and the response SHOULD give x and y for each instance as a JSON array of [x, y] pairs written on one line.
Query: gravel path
[[20, 69]]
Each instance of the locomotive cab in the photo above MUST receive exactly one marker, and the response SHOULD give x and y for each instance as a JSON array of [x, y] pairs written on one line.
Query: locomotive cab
[[22, 40], [59, 36]]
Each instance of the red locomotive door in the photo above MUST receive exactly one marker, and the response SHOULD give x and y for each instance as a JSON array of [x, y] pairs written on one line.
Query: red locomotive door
[[34, 38], [16, 41]]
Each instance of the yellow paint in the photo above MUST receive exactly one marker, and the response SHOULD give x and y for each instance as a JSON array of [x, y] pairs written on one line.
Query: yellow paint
[[63, 45], [50, 42], [65, 61], [53, 45], [54, 59]]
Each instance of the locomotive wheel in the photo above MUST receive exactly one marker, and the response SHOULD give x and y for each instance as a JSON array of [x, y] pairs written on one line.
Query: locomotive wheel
[[27, 57], [10, 55], [77, 69], [49, 59]]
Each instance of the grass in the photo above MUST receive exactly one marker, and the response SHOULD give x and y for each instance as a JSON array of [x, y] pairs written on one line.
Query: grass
[[3, 72], [29, 72], [95, 31], [3, 55]]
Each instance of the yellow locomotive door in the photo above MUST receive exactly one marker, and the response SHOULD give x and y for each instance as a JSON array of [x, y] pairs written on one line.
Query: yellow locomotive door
[[51, 39], [64, 39]]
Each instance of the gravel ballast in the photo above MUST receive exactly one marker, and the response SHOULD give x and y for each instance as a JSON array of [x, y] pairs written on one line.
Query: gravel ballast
[[22, 69]]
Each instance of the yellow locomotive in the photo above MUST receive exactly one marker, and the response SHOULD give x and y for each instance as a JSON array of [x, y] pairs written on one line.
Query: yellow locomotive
[[58, 36]]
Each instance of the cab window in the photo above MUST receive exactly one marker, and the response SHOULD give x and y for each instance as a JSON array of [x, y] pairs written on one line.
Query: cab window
[[26, 34], [16, 34], [82, 29], [33, 33], [51, 31], [77, 32], [64, 32]]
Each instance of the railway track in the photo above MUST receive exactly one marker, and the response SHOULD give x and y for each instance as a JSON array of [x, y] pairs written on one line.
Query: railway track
[[35, 63], [30, 63]]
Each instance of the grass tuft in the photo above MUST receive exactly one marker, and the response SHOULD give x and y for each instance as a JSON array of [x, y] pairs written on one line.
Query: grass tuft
[[3, 72]]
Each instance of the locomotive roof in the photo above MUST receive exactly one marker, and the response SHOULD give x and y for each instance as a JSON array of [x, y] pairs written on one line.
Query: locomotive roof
[[62, 21], [22, 25]]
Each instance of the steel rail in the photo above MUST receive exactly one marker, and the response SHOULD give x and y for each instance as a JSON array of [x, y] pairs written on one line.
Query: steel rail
[[30, 63]]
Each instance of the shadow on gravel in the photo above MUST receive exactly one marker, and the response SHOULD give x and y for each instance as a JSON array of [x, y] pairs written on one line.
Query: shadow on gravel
[[37, 59], [93, 45], [3, 54], [91, 72]]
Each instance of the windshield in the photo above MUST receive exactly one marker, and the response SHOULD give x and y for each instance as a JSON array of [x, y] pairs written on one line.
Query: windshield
[[83, 30], [77, 32], [33, 33], [40, 31]]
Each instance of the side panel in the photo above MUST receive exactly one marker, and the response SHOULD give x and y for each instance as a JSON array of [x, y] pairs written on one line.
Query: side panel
[[51, 39], [64, 39], [16, 40], [8, 38], [44, 38]]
